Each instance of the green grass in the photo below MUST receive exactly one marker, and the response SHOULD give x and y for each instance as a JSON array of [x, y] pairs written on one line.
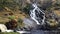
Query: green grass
[[9, 33]]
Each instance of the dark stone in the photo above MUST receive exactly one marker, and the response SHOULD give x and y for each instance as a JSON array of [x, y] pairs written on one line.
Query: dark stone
[[0, 30], [11, 24]]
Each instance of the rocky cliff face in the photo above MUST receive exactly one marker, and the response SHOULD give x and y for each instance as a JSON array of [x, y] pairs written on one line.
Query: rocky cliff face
[[41, 3]]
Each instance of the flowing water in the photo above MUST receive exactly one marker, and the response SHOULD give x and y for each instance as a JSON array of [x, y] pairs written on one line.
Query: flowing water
[[37, 15]]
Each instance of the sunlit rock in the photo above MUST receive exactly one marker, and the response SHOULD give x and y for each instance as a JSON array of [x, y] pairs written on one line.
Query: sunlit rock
[[3, 27]]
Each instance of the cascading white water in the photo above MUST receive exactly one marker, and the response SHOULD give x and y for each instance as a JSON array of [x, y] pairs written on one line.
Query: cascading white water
[[36, 15]]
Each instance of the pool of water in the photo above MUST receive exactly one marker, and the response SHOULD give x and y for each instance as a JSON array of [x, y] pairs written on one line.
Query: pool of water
[[43, 32]]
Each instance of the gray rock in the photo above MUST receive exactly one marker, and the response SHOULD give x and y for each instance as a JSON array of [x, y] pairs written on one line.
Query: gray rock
[[29, 23]]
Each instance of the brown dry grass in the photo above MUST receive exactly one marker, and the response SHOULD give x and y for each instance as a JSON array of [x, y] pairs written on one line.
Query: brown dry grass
[[16, 13], [57, 12]]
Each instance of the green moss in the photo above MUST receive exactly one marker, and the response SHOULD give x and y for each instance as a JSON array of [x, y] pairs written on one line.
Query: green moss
[[11, 17], [9, 33]]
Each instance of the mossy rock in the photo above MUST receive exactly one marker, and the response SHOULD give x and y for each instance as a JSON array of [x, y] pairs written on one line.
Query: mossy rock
[[9, 33]]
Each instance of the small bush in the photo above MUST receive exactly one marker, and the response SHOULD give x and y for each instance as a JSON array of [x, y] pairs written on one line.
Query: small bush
[[11, 17], [20, 22]]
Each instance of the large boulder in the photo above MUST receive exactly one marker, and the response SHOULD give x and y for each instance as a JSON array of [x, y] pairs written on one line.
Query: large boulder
[[3, 28]]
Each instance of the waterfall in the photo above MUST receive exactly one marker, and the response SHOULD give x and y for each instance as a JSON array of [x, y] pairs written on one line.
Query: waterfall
[[37, 15]]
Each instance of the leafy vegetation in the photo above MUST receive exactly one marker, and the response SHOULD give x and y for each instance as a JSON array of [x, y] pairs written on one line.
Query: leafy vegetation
[[20, 22], [11, 17]]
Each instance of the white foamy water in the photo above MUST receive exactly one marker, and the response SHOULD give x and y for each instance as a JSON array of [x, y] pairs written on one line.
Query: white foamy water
[[34, 16]]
